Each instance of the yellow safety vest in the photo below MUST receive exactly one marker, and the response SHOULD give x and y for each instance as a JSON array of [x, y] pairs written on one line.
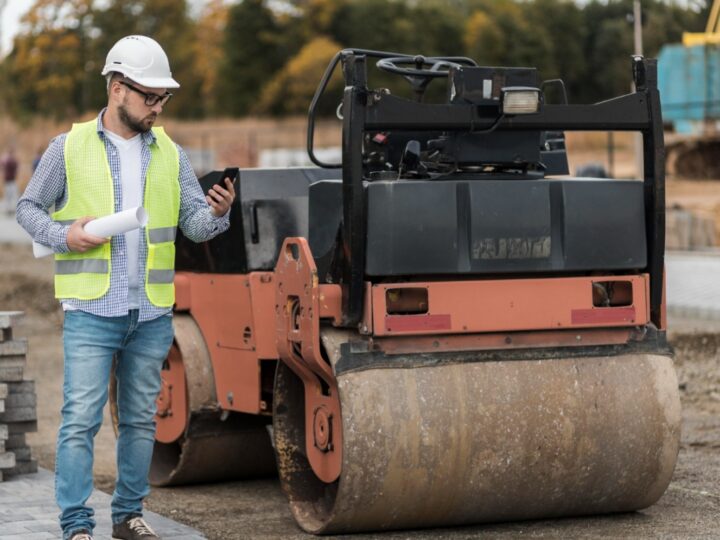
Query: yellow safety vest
[[90, 192]]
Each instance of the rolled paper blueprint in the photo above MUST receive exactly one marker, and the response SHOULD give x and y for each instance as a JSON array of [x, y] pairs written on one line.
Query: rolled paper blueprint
[[119, 223]]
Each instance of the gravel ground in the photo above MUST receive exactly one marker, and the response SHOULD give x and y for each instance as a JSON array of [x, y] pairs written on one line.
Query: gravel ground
[[257, 509]]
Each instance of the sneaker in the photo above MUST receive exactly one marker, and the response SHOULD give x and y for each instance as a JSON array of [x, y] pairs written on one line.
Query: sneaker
[[133, 528], [81, 535]]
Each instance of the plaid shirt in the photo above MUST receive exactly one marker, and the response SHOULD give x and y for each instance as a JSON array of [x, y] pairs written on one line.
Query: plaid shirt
[[48, 186]]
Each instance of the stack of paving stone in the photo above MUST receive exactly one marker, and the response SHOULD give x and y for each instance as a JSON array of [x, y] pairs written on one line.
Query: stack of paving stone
[[18, 403]]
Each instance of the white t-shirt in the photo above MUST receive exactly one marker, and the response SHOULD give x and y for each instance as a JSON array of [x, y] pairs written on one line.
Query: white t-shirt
[[130, 154]]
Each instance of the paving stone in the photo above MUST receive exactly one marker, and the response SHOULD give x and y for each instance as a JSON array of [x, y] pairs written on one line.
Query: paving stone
[[4, 390], [18, 414], [22, 467], [6, 334], [22, 427], [22, 387], [16, 516], [13, 361], [27, 523], [35, 536], [8, 318], [2, 406], [693, 288], [11, 373], [13, 528], [13, 441], [24, 399], [27, 511], [22, 454], [7, 461], [4, 432], [14, 347], [41, 525]]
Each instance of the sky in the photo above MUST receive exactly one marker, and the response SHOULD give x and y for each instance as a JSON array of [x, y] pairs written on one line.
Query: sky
[[10, 17]]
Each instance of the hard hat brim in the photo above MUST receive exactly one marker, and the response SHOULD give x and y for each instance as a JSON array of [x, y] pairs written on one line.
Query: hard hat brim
[[150, 82], [156, 82]]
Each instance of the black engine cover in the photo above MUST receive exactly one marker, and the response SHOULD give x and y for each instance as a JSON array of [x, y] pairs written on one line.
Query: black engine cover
[[505, 226]]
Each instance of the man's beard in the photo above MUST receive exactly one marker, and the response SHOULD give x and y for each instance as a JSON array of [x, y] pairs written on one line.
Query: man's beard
[[142, 125]]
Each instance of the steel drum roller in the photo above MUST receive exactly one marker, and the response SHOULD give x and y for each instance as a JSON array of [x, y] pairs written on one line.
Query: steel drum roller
[[486, 441]]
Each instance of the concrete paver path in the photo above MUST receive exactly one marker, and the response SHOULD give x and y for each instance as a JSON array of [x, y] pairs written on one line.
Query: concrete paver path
[[28, 511]]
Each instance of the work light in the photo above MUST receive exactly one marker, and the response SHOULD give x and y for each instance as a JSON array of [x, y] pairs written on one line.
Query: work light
[[520, 100]]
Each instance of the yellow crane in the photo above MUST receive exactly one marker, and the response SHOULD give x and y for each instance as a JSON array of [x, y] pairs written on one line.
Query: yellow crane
[[711, 36]]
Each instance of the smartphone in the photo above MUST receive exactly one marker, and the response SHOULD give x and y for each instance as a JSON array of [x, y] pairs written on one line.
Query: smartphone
[[233, 173]]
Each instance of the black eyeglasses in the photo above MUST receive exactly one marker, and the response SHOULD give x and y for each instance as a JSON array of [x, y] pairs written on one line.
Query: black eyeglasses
[[150, 99]]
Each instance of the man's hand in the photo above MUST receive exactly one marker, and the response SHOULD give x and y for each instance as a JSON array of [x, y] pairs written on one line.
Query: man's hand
[[220, 199], [80, 241]]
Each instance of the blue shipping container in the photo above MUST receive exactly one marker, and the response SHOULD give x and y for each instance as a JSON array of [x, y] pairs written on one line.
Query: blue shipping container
[[689, 83]]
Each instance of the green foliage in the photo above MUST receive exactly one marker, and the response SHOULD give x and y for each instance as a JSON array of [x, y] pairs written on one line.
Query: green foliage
[[292, 89], [394, 25], [55, 66], [254, 50], [47, 73], [209, 54], [563, 25], [262, 56]]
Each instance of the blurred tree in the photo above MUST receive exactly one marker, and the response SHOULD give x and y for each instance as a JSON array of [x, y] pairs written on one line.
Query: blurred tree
[[317, 16], [55, 65], [235, 52], [384, 25], [563, 28], [484, 40], [292, 89], [45, 72], [253, 50], [436, 30], [611, 59], [665, 23], [209, 53], [607, 49], [505, 34]]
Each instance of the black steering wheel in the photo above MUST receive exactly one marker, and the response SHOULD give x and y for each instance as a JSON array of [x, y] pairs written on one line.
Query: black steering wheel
[[418, 70], [423, 66]]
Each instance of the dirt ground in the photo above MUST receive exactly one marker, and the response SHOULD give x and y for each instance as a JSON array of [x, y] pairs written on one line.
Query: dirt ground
[[258, 509]]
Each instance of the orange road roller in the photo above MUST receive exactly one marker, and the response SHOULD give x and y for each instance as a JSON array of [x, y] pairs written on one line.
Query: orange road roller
[[443, 328]]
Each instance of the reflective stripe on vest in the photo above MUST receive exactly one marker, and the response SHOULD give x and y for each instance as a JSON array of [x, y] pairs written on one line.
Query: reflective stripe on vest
[[162, 234], [90, 190], [161, 276], [88, 266]]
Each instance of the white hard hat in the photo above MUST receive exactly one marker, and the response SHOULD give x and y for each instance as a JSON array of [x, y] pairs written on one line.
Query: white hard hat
[[142, 60]]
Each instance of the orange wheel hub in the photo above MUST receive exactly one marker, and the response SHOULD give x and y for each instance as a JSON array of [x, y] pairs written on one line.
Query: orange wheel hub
[[172, 410]]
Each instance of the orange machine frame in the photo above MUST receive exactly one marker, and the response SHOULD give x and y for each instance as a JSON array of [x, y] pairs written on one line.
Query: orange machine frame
[[237, 316], [509, 305], [249, 321]]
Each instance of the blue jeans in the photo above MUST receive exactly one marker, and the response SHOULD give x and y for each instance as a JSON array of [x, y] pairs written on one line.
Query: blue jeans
[[90, 342]]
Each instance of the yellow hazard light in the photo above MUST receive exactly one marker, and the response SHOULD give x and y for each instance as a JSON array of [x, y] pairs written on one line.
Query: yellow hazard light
[[520, 100]]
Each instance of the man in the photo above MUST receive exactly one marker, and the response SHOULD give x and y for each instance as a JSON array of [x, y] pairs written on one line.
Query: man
[[10, 167], [117, 293]]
